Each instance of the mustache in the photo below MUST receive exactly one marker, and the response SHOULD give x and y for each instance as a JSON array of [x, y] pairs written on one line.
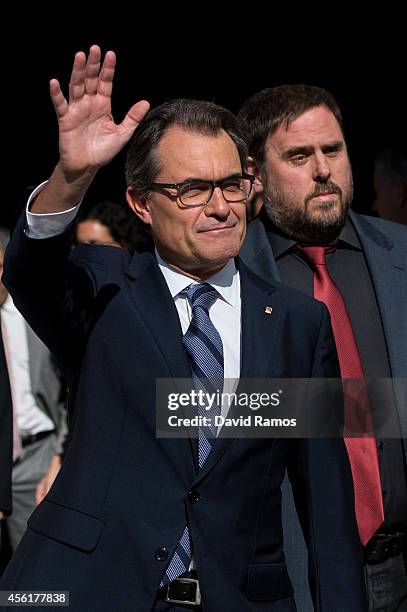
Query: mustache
[[323, 188]]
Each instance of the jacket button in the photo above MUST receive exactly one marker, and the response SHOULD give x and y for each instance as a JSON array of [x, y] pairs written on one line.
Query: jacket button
[[193, 496], [161, 554]]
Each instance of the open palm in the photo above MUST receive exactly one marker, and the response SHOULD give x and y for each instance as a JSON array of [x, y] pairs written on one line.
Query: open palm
[[88, 136]]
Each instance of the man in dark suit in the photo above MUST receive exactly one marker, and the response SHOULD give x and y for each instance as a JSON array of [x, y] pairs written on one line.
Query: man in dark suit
[[133, 522], [304, 184], [37, 400]]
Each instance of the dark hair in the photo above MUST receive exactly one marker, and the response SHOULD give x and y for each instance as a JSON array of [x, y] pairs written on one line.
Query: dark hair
[[120, 221], [266, 111], [142, 163]]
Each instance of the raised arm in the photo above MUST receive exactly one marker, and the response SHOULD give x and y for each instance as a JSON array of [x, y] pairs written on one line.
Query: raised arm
[[88, 136]]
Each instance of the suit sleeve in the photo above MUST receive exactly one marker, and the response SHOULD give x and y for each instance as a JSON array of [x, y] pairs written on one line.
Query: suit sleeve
[[322, 484], [6, 453], [53, 291]]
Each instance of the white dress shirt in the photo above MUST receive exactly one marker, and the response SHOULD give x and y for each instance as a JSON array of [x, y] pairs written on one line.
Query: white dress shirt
[[225, 314], [45, 225], [30, 418]]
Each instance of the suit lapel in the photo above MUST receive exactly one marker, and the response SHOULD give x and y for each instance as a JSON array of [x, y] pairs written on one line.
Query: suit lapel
[[257, 253], [155, 305], [261, 321], [386, 265], [152, 298]]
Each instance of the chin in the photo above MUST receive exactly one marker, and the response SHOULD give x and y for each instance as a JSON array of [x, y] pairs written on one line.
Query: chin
[[320, 209]]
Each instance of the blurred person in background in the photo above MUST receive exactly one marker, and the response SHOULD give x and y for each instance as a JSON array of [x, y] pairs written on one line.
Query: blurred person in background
[[390, 185], [37, 395], [111, 224]]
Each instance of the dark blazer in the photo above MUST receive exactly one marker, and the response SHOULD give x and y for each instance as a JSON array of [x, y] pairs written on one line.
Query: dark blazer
[[6, 435], [109, 525], [47, 387], [385, 246]]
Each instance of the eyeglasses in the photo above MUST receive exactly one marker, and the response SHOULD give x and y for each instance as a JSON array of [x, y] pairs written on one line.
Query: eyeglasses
[[234, 188]]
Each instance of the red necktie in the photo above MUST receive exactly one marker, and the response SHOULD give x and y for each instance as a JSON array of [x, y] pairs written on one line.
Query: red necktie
[[362, 452]]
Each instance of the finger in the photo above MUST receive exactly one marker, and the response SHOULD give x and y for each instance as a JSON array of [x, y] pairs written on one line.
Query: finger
[[135, 115], [105, 83], [77, 82], [92, 70], [58, 98]]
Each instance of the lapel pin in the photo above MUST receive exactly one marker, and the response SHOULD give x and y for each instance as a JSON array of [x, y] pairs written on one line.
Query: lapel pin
[[268, 310]]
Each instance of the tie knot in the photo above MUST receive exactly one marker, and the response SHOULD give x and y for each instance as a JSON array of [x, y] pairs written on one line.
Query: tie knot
[[201, 294], [315, 255]]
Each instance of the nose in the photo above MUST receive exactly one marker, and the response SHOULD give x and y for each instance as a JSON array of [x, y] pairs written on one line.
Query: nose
[[322, 171], [217, 205]]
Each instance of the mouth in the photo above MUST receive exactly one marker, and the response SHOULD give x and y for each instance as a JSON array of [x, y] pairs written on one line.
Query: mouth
[[325, 197], [217, 229]]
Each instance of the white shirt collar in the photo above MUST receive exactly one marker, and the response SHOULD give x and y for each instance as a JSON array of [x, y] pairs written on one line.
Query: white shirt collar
[[8, 305], [225, 281]]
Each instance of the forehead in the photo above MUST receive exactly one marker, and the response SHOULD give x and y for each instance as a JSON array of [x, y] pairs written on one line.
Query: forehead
[[92, 227], [189, 154], [316, 127]]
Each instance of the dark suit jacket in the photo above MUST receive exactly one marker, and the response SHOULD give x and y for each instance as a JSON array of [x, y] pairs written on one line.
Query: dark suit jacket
[[108, 528], [47, 387], [384, 245], [6, 436]]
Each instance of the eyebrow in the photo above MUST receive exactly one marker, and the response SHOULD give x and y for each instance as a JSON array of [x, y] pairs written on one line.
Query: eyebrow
[[336, 145], [195, 178]]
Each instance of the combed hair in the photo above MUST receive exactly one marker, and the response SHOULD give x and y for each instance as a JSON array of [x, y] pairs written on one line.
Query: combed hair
[[267, 110], [142, 165], [122, 223]]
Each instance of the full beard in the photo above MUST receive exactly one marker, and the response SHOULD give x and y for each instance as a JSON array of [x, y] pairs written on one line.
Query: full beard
[[301, 223]]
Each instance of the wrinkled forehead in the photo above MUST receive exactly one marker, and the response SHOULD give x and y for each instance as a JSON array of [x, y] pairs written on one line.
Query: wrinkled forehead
[[184, 154]]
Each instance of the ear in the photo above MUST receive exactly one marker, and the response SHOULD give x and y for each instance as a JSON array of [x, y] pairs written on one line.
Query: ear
[[253, 168], [138, 205]]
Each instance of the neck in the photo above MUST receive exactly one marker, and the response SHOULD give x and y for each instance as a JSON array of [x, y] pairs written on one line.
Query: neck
[[197, 274]]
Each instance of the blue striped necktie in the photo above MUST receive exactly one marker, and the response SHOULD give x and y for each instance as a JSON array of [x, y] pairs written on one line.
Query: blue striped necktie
[[205, 349]]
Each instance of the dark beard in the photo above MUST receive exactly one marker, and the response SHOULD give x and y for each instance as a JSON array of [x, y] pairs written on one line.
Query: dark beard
[[295, 221]]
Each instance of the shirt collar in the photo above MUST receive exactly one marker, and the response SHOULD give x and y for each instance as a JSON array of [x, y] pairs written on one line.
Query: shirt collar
[[282, 244], [225, 281], [8, 305]]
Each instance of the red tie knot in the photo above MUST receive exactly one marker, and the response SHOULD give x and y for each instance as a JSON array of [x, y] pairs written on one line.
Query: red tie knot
[[316, 255]]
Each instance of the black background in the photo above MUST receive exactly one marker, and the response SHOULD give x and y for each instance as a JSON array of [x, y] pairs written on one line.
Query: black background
[[192, 53]]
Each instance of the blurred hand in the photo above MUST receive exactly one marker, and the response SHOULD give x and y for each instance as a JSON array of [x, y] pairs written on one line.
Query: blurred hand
[[47, 480]]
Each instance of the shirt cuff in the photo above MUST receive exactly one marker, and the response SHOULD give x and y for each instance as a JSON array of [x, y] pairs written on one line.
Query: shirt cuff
[[46, 225]]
